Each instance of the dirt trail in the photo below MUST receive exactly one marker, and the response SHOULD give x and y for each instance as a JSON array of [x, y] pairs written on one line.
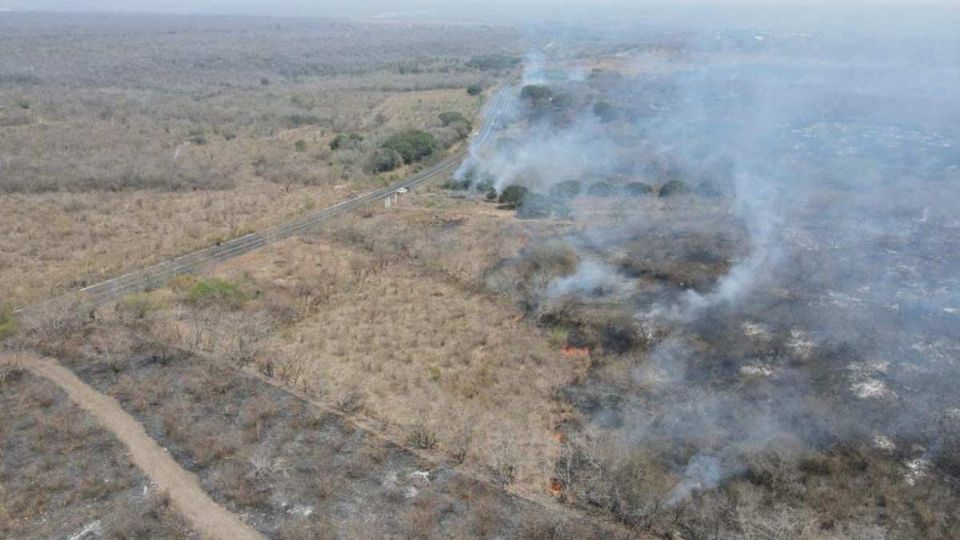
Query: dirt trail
[[209, 518]]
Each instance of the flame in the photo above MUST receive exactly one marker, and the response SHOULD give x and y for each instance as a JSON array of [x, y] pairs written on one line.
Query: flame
[[556, 487], [576, 352]]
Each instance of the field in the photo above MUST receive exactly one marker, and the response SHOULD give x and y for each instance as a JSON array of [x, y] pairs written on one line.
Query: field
[[127, 140], [61, 474], [680, 287]]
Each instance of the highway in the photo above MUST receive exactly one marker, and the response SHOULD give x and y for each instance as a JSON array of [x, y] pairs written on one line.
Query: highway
[[198, 261]]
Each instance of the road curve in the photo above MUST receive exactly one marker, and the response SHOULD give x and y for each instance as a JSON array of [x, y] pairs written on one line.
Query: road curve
[[209, 518]]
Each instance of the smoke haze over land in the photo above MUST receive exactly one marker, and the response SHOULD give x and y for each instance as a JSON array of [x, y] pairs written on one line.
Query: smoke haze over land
[[836, 153]]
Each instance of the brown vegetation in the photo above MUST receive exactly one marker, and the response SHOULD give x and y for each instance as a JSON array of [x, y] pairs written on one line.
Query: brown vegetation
[[114, 158], [60, 472]]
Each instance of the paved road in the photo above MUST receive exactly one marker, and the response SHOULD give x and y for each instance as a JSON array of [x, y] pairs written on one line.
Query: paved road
[[198, 261], [209, 518]]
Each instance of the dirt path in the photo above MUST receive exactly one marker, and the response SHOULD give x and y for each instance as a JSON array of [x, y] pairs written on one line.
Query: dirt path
[[209, 518]]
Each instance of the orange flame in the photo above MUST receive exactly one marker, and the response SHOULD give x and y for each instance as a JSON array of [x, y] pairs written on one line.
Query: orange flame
[[576, 352], [556, 487]]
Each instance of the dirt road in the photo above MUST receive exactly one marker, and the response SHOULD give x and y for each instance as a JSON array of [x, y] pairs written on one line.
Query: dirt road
[[209, 518]]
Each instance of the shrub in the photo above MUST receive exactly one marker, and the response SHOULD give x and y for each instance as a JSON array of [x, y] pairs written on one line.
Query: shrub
[[385, 160], [300, 145], [457, 122], [216, 291], [299, 120], [474, 90], [486, 186], [513, 195], [342, 141], [604, 111], [197, 137], [602, 189], [492, 62], [537, 96], [674, 188], [8, 323], [412, 145], [421, 437], [136, 307], [709, 189], [537, 206], [566, 190], [637, 189], [452, 117]]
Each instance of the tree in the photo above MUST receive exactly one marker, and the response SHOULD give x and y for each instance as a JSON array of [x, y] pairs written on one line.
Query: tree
[[566, 190], [474, 90], [342, 141], [457, 122], [602, 189], [493, 62], [385, 160], [536, 95], [537, 206], [604, 111], [674, 188], [300, 145], [513, 195], [452, 117], [412, 145], [637, 189]]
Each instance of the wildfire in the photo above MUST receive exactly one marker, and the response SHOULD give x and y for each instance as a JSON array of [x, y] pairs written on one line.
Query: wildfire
[[576, 352], [556, 487]]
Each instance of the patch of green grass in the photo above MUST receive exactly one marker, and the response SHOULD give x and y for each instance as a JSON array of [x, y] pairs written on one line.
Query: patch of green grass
[[216, 291], [8, 323], [138, 305], [559, 336]]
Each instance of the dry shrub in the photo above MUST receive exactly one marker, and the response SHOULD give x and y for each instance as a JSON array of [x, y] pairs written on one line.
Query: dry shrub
[[175, 419], [11, 369], [309, 528], [254, 415], [349, 402], [425, 515], [486, 517], [422, 437], [240, 484], [213, 448]]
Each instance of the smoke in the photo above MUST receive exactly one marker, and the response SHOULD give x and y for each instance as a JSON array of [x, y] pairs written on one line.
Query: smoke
[[806, 281]]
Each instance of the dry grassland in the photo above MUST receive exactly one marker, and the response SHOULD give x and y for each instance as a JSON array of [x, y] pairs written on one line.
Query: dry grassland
[[114, 159], [394, 325]]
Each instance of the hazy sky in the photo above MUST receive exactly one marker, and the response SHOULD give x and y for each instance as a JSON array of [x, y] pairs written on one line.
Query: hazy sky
[[426, 8]]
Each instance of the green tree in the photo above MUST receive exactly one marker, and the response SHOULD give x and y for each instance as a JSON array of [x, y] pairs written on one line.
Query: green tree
[[474, 89], [412, 145], [566, 190], [637, 189], [385, 160], [673, 188], [300, 145], [452, 117], [514, 195], [604, 111]]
